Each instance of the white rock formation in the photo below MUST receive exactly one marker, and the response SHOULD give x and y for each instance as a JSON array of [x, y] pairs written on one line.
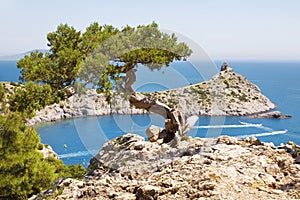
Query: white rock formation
[[228, 93]]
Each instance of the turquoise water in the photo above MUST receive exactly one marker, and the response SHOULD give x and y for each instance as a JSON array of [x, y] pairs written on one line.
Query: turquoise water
[[84, 136]]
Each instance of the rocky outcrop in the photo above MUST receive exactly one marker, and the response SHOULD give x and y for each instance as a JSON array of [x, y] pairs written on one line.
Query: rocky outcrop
[[224, 168], [292, 149], [78, 105], [47, 151], [153, 134], [227, 93], [224, 66], [272, 115]]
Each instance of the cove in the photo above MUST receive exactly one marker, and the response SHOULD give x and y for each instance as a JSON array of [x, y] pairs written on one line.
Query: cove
[[77, 140]]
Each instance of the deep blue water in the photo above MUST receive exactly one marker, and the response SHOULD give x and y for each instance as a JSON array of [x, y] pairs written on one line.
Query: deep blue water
[[9, 71], [279, 81]]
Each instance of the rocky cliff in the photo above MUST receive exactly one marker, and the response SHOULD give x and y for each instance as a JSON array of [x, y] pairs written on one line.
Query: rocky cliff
[[227, 93], [224, 168]]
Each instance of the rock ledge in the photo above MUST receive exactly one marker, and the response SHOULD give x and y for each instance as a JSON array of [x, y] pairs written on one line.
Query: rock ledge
[[128, 167]]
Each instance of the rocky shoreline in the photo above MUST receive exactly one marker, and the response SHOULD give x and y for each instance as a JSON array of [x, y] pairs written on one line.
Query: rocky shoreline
[[128, 167], [227, 94]]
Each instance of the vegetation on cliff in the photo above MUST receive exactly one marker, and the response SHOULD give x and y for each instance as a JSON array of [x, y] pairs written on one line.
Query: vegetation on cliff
[[228, 92], [24, 170], [2, 93], [31, 97]]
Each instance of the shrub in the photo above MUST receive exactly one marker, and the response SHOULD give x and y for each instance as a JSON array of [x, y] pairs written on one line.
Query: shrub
[[76, 171], [226, 83], [23, 169], [2, 95], [31, 97], [40, 146], [243, 97]]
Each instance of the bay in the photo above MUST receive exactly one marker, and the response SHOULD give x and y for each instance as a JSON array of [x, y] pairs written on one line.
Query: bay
[[83, 137]]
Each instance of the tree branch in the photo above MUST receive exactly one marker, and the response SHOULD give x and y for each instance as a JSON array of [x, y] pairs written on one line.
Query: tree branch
[[176, 125]]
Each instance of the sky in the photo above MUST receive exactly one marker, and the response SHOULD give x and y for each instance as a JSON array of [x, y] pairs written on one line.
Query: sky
[[226, 30]]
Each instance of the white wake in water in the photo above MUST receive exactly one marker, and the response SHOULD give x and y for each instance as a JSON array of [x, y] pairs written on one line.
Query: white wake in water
[[77, 154], [242, 125], [270, 131], [263, 134]]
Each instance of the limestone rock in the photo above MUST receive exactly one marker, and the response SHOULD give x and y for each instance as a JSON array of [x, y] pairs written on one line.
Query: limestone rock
[[131, 155], [228, 140], [297, 160], [196, 143], [128, 167], [147, 192], [153, 134]]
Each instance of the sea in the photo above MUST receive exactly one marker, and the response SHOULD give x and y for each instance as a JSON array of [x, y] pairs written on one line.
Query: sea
[[77, 140]]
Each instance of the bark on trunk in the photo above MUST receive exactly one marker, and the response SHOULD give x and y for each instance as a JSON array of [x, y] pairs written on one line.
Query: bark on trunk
[[176, 125]]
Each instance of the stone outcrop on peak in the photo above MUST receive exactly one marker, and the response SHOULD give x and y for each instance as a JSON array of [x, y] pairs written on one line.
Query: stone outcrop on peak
[[227, 94]]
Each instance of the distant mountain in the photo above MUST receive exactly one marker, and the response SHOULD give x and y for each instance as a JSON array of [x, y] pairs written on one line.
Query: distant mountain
[[21, 55]]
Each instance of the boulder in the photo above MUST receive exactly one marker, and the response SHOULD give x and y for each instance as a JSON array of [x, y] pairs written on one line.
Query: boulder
[[147, 192], [297, 160], [227, 140], [153, 133], [224, 66]]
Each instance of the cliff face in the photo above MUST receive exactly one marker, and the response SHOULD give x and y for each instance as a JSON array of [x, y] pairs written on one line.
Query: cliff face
[[224, 168], [227, 93]]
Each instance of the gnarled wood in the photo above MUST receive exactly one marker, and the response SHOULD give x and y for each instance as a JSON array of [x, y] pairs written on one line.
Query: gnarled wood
[[176, 125]]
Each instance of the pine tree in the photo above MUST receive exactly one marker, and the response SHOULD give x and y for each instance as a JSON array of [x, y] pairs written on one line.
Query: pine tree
[[23, 171]]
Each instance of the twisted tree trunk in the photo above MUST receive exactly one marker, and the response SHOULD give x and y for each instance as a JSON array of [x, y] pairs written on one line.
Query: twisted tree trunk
[[176, 125]]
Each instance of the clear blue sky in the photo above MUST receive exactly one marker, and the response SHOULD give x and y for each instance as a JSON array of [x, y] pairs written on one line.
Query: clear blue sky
[[226, 29]]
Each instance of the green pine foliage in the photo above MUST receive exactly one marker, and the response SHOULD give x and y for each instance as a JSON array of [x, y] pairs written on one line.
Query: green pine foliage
[[23, 170], [91, 56], [58, 68], [30, 98], [75, 171], [144, 45], [2, 93], [2, 98]]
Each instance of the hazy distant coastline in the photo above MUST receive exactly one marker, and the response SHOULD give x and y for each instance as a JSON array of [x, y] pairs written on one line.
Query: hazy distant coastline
[[16, 57]]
